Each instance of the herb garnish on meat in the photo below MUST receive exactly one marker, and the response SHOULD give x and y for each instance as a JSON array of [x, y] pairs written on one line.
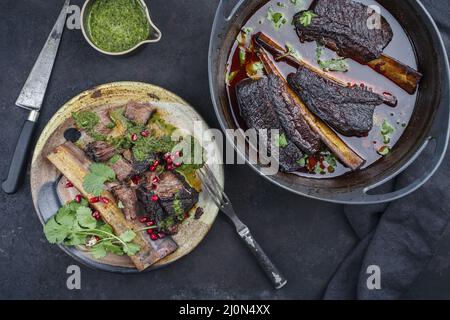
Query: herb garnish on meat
[[334, 64], [99, 174]]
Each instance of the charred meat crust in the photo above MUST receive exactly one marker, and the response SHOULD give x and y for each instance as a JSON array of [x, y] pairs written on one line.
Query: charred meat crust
[[342, 25], [100, 151], [175, 196], [349, 110], [256, 107], [289, 114], [139, 113]]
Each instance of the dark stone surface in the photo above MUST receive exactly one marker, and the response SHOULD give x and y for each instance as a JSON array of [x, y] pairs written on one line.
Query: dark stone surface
[[308, 239]]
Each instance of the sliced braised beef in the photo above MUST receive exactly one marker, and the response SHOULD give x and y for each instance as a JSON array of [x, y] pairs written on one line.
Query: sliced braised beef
[[105, 123], [342, 26], [291, 119], [128, 199], [349, 110], [123, 169], [128, 155], [139, 113], [100, 151], [140, 167], [170, 198], [256, 107]]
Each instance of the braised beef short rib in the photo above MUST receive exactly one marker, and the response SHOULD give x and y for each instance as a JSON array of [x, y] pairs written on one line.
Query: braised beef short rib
[[342, 26], [348, 110], [139, 113], [174, 196], [261, 102]]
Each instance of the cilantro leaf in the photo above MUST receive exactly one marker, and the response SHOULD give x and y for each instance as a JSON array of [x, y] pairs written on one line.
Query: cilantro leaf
[[85, 218], [98, 251], [386, 131], [128, 236], [75, 239], [55, 232], [102, 170], [94, 184], [131, 249], [282, 141], [277, 18], [334, 64], [306, 18]]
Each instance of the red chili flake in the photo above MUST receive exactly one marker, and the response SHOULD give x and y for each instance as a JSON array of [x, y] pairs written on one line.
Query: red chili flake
[[134, 137], [145, 133], [154, 198], [94, 200], [69, 184], [78, 198]]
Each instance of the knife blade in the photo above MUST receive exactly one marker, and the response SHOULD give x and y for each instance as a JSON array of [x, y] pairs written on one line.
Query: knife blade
[[31, 98]]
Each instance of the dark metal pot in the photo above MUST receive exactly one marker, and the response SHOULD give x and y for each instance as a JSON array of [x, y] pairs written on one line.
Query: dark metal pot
[[429, 125]]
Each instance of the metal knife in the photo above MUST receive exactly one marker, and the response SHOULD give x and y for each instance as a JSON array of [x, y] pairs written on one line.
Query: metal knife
[[31, 98]]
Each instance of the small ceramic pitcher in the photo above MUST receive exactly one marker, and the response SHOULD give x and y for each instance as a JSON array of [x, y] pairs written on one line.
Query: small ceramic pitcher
[[154, 35]]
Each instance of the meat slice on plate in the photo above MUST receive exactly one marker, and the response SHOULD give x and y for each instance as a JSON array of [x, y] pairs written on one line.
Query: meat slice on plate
[[170, 198], [122, 168], [126, 196], [260, 109], [348, 110], [100, 151], [139, 113], [342, 25]]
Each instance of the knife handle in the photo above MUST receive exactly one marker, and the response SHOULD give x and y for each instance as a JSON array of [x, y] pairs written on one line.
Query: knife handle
[[276, 277], [19, 159]]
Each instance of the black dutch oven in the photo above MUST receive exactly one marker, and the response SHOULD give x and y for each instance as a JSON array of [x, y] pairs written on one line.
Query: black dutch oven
[[429, 125]]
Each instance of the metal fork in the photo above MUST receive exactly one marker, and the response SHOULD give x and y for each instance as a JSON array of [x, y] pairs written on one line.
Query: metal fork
[[219, 197]]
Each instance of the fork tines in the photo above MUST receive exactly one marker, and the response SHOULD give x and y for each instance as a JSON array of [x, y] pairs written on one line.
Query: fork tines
[[212, 186]]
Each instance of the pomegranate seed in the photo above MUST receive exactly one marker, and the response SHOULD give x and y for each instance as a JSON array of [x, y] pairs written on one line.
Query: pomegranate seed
[[134, 137], [149, 231], [150, 223], [152, 168], [155, 179], [78, 198], [178, 164], [154, 198], [104, 200], [179, 154], [136, 179], [169, 160], [161, 235], [145, 133], [167, 156], [154, 186], [143, 219], [96, 215], [153, 237], [155, 163], [94, 200], [186, 215], [97, 238], [170, 167], [69, 184]]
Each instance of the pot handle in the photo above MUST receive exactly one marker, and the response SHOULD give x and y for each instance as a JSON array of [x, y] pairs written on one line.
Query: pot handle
[[228, 8], [440, 134]]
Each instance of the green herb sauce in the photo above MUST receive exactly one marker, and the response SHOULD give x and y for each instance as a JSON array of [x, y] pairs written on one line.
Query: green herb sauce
[[117, 25]]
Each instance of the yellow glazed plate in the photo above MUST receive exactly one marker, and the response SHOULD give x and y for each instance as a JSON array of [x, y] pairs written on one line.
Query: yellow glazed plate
[[45, 177]]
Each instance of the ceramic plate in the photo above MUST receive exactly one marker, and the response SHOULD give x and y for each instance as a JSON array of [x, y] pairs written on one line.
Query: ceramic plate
[[46, 181]]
